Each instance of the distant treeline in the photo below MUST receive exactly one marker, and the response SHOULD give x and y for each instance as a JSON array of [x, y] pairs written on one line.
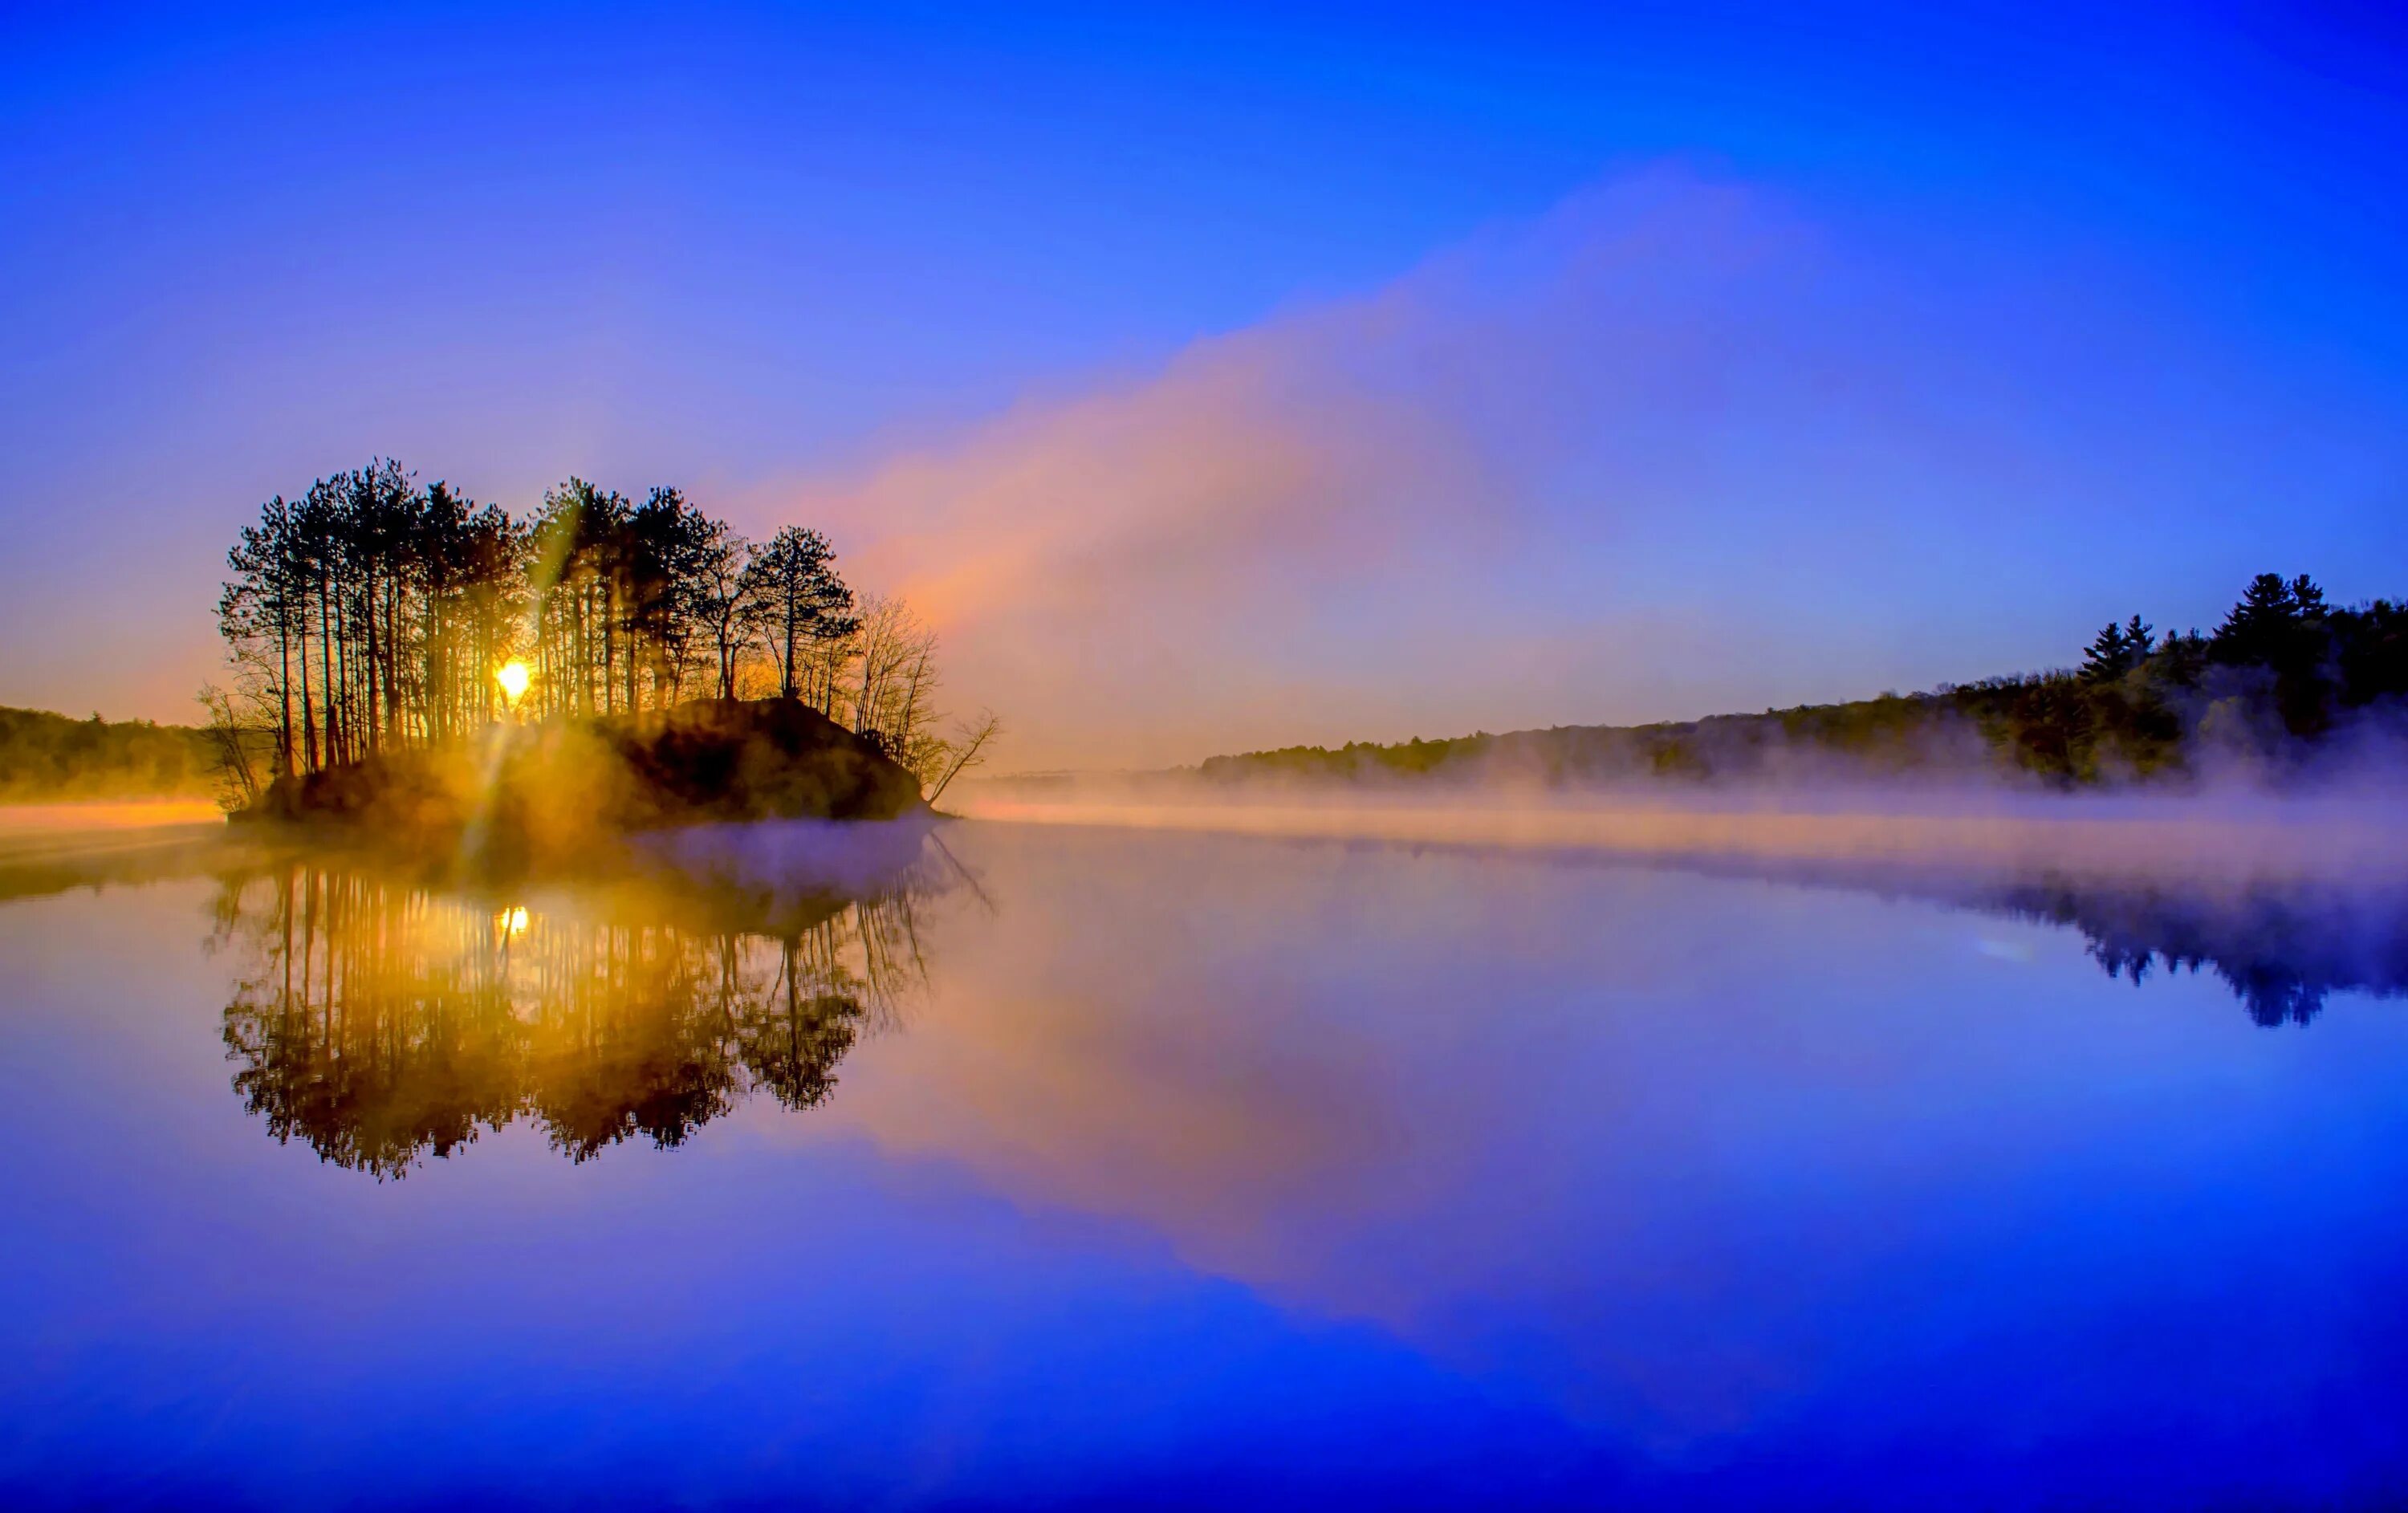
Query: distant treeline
[[47, 757], [373, 614], [2272, 691]]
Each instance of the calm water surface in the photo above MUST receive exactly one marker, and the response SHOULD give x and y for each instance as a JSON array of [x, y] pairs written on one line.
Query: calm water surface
[[1041, 1166]]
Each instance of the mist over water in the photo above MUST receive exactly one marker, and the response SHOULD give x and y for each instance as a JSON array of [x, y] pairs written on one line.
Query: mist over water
[[24, 822], [2202, 840]]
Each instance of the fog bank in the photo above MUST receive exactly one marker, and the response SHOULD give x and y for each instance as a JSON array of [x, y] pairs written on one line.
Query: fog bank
[[2190, 840]]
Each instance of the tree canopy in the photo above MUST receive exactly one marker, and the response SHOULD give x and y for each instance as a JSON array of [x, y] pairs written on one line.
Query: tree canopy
[[375, 614]]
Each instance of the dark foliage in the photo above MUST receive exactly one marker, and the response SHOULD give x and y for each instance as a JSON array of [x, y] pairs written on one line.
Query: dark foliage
[[372, 615], [2273, 690], [567, 786], [52, 757]]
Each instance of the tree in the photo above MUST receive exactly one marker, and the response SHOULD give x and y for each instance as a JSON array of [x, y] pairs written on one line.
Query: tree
[[967, 749], [893, 699], [667, 540], [797, 599], [2110, 656], [259, 618], [2308, 599], [2373, 652], [2286, 629], [579, 541], [372, 614], [232, 743], [2260, 629], [720, 600], [2117, 650]]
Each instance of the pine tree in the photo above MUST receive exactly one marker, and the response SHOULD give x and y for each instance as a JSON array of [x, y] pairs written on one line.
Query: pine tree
[[2259, 628], [2110, 655]]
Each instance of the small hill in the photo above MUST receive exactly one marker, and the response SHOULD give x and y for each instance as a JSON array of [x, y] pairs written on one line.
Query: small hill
[[560, 787]]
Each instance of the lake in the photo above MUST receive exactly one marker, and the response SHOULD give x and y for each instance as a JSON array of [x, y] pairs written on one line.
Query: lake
[[1040, 1164]]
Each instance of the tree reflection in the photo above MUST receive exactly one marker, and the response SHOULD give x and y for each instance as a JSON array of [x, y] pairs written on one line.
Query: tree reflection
[[2281, 949], [2282, 945], [398, 1016], [383, 1021]]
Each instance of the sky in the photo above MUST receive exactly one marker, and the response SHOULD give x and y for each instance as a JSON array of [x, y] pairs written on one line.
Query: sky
[[1222, 378]]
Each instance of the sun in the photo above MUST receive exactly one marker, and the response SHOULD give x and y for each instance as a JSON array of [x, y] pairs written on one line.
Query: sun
[[513, 676]]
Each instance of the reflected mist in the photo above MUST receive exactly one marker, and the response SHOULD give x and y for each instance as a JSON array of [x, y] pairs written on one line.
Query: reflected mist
[[2284, 904]]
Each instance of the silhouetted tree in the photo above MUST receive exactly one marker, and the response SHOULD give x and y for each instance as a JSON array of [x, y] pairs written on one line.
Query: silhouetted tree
[[799, 601], [373, 615], [719, 599], [2116, 650]]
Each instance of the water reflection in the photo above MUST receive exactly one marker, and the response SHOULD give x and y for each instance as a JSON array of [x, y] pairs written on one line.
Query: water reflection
[[1496, 1181], [2283, 946], [2281, 951], [382, 1020]]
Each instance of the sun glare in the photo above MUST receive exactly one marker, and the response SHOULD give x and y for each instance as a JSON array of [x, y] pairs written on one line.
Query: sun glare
[[513, 676]]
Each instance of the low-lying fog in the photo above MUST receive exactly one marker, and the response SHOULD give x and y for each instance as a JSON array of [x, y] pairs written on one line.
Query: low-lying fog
[[2186, 838]]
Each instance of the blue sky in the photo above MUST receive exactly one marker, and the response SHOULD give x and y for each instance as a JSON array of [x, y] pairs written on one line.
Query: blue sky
[[1988, 326]]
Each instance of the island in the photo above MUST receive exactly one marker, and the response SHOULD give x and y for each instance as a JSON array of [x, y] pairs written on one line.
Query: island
[[560, 786], [409, 663]]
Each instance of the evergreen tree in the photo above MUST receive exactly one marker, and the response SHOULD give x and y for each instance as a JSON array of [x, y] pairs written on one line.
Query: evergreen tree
[[373, 614], [2261, 628], [799, 599]]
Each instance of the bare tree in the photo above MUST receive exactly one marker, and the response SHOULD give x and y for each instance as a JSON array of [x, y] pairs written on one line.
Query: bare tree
[[233, 744], [967, 750], [721, 598], [895, 684]]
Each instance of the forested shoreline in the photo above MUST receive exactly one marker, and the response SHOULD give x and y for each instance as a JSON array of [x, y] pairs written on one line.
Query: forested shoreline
[[50, 758], [370, 617], [2288, 687], [373, 615]]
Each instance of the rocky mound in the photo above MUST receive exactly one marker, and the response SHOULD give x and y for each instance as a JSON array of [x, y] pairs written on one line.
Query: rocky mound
[[558, 786]]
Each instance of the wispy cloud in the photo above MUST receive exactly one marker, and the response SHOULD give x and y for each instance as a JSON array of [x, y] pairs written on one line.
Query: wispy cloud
[[1138, 573], [1664, 448]]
